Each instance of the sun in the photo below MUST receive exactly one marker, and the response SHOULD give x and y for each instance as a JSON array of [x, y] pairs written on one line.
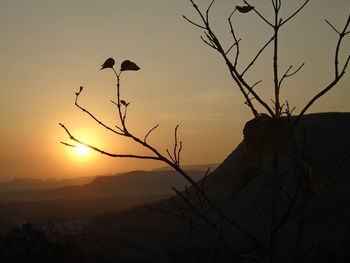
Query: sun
[[82, 150]]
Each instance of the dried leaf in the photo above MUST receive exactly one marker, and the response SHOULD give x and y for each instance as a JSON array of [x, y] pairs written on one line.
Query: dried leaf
[[109, 63], [244, 9], [128, 65], [123, 102]]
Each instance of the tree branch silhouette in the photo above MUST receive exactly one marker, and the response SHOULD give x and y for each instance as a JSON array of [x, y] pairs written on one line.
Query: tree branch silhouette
[[173, 160]]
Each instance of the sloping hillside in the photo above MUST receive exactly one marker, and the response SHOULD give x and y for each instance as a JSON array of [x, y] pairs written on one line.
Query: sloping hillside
[[324, 142]]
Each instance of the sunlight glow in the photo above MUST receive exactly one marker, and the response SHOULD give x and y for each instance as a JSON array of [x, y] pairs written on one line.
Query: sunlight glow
[[82, 150]]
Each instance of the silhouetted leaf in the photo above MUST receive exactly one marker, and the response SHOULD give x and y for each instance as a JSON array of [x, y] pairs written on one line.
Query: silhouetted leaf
[[123, 102], [265, 134], [244, 9], [109, 63], [128, 65]]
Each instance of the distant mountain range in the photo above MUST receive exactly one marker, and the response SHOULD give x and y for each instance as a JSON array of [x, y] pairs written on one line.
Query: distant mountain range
[[157, 181], [30, 184]]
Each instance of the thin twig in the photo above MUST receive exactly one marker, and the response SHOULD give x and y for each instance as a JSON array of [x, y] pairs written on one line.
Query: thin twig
[[332, 26], [68, 144], [167, 151], [179, 153], [208, 9], [295, 13], [234, 44], [149, 132], [175, 144], [260, 15], [257, 56], [287, 74], [104, 152], [193, 23], [206, 42], [236, 41], [91, 115]]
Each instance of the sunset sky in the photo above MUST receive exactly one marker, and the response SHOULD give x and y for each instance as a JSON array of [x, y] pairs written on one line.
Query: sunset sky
[[51, 47]]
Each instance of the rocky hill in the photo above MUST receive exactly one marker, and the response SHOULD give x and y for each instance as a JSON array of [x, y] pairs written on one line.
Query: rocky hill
[[320, 159]]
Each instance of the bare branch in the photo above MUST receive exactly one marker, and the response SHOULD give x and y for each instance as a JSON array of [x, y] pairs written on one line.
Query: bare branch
[[208, 9], [236, 41], [206, 42], [338, 75], [232, 46], [170, 156], [296, 71], [274, 4], [287, 74], [346, 64], [252, 87], [332, 26], [119, 128], [320, 94], [179, 153], [257, 56], [104, 152], [256, 83], [92, 116], [68, 144], [149, 132], [295, 13], [341, 36], [260, 15], [193, 23], [175, 144]]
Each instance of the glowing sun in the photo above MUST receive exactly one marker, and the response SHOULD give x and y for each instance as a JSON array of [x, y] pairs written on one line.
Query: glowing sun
[[82, 150]]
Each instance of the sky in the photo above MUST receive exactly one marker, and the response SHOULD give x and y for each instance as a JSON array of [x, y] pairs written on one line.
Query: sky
[[50, 48]]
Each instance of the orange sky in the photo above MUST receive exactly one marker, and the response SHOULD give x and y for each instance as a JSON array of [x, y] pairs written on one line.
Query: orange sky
[[49, 48]]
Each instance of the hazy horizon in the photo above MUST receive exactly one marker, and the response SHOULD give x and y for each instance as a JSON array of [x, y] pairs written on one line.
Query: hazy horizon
[[51, 48]]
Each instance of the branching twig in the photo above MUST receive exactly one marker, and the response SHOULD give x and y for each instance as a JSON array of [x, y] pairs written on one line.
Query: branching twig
[[295, 13], [287, 74], [77, 94], [257, 56], [104, 152], [149, 132], [338, 75], [260, 15], [193, 23], [236, 41]]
